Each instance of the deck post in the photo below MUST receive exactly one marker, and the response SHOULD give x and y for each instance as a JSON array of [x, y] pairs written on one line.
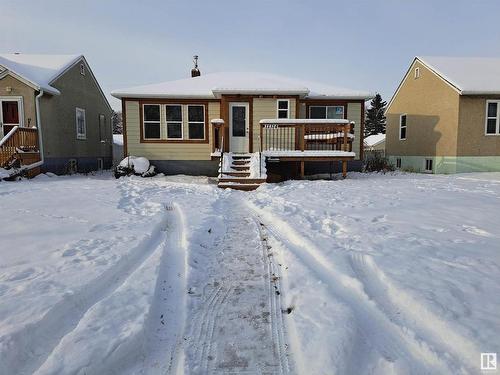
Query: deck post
[[344, 168], [301, 170], [302, 137], [344, 146]]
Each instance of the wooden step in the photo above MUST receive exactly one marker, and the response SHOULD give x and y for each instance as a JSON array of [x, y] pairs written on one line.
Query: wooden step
[[241, 162], [240, 167], [241, 157], [244, 187], [237, 174], [243, 180]]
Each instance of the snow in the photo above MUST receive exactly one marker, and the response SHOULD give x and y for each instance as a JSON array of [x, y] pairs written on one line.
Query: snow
[[209, 86], [307, 153], [118, 139], [217, 121], [319, 136], [374, 274], [40, 70], [471, 75], [374, 139], [139, 163]]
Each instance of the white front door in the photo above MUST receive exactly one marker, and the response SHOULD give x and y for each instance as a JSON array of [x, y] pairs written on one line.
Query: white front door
[[238, 127]]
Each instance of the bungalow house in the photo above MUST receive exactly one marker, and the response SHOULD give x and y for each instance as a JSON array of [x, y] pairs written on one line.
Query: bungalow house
[[248, 123], [53, 115], [445, 116]]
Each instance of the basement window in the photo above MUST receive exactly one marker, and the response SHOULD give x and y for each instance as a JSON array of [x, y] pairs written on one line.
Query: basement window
[[492, 117], [398, 163], [402, 127], [283, 108], [428, 165]]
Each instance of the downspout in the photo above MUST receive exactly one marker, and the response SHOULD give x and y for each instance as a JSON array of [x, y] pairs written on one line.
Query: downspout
[[39, 125]]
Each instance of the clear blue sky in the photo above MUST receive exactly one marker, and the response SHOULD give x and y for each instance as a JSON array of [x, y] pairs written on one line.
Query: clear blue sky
[[356, 44]]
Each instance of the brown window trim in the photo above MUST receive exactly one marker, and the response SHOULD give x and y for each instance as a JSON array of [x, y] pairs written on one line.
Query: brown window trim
[[327, 103], [173, 101]]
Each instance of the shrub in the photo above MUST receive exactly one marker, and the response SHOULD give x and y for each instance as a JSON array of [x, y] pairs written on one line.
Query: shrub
[[378, 163]]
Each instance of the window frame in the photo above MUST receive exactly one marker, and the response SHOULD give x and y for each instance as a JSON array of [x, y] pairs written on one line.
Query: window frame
[[167, 122], [81, 136], [326, 106], [416, 74], [278, 109], [405, 115], [102, 127], [497, 118], [82, 69], [144, 121], [196, 122], [398, 163]]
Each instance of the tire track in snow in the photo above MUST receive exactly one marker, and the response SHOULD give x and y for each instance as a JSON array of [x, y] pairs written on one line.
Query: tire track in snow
[[388, 338], [31, 346]]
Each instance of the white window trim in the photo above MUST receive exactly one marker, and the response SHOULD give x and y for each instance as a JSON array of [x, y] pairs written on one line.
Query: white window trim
[[416, 74], [400, 127], [287, 108], [20, 108], [326, 109], [167, 122], [81, 136], [144, 121], [425, 165], [196, 122], [497, 130], [82, 69]]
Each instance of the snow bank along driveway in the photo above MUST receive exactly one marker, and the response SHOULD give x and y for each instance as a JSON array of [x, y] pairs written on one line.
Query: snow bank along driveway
[[369, 275]]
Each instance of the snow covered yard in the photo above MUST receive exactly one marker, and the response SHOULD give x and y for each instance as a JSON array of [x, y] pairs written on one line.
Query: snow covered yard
[[370, 275]]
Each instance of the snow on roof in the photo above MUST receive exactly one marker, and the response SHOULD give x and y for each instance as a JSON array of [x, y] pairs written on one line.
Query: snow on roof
[[40, 70], [470, 75], [373, 140], [212, 85]]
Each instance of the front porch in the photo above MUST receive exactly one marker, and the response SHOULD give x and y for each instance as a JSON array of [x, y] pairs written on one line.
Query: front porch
[[20, 152], [288, 142]]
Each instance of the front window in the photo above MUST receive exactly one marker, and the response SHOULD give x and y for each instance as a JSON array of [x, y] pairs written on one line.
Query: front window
[[326, 112], [151, 121], [81, 126], [493, 117], [196, 121], [402, 127], [283, 108], [173, 115]]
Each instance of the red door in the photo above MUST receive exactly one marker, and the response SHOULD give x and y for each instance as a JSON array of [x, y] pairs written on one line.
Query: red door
[[10, 115]]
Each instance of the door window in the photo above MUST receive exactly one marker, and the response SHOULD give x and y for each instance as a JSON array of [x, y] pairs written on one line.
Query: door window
[[239, 121]]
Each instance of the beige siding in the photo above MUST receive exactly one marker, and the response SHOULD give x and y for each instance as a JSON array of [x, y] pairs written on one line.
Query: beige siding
[[354, 114], [160, 151], [431, 106], [20, 89], [471, 138], [213, 113], [267, 108]]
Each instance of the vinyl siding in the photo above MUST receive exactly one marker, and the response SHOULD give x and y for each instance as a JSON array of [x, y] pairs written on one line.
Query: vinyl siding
[[268, 108], [354, 114], [166, 151]]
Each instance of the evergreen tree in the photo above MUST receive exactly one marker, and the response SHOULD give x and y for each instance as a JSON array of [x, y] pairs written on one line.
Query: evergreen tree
[[375, 118], [117, 123]]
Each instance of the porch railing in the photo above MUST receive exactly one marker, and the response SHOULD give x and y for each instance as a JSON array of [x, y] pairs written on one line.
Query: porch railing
[[18, 140], [306, 135]]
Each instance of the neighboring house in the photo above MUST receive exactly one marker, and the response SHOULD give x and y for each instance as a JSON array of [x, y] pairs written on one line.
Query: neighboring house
[[181, 125], [445, 116], [59, 95], [375, 144]]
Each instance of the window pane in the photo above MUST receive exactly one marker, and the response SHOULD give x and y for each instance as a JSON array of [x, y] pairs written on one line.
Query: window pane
[[239, 121], [282, 113], [174, 113], [151, 112], [492, 109], [336, 112], [317, 112], [195, 113], [174, 130], [403, 120], [403, 133], [283, 104], [491, 127], [152, 130], [196, 130]]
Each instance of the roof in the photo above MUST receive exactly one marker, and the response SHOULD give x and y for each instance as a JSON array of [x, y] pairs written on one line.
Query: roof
[[374, 140], [39, 70], [210, 86]]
